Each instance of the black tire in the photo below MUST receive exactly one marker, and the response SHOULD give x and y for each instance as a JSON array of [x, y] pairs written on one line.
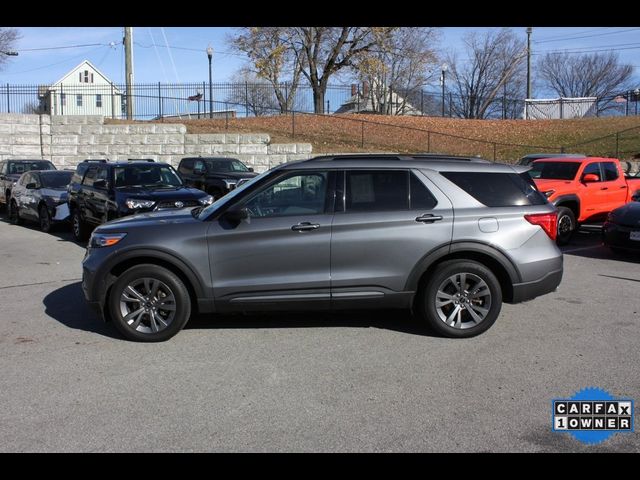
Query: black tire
[[467, 325], [566, 225], [79, 228], [170, 284], [45, 219], [14, 214]]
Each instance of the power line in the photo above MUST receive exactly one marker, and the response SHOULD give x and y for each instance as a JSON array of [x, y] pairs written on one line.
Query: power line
[[575, 33], [64, 47], [594, 48], [68, 59], [586, 36]]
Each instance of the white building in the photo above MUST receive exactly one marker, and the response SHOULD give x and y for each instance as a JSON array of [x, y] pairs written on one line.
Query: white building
[[85, 90]]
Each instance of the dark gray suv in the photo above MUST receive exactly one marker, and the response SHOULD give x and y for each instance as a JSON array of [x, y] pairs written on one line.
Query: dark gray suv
[[450, 238]]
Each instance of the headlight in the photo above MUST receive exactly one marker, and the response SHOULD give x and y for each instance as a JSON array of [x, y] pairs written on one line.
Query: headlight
[[230, 183], [208, 200], [99, 240], [548, 193], [134, 203], [14, 184]]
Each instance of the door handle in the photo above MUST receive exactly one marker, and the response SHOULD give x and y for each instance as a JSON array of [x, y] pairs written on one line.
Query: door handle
[[624, 186], [428, 218], [304, 226], [604, 188]]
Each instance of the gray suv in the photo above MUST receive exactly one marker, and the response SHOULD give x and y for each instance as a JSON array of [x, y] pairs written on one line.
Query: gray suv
[[449, 238]]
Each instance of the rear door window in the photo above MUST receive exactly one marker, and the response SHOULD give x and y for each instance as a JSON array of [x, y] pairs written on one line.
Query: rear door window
[[498, 189], [610, 171], [377, 191], [420, 196], [593, 168], [186, 166]]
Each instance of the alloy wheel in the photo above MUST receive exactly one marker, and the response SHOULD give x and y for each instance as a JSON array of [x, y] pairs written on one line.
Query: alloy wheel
[[147, 305], [463, 300]]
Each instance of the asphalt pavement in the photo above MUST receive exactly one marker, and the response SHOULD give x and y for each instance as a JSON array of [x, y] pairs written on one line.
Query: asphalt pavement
[[357, 382]]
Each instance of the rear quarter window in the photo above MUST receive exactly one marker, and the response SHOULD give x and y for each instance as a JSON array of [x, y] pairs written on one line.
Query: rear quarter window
[[498, 189]]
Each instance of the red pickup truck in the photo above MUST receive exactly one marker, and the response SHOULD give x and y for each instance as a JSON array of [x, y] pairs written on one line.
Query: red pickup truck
[[583, 189]]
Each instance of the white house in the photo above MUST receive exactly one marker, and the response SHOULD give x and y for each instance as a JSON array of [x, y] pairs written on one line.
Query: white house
[[85, 90]]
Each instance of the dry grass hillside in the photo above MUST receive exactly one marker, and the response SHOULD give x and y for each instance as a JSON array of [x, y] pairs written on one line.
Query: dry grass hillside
[[507, 139]]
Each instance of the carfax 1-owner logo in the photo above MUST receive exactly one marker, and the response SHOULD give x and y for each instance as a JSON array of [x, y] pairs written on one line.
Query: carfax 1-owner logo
[[592, 415]]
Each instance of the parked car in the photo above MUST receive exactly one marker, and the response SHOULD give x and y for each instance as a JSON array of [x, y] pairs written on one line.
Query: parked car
[[40, 196], [109, 190], [621, 231], [10, 171], [584, 190], [215, 175], [451, 239], [529, 159]]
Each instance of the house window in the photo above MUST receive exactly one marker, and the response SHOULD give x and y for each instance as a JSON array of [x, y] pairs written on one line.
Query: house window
[[98, 101], [92, 78], [79, 100], [63, 99], [80, 79], [86, 76]]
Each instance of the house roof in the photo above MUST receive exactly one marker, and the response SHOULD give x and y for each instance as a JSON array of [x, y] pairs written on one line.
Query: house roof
[[77, 67]]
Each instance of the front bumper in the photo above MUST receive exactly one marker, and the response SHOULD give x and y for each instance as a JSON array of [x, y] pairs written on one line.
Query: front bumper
[[529, 290]]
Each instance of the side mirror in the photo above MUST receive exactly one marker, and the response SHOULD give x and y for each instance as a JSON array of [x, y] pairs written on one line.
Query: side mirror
[[590, 178], [236, 215], [251, 169], [31, 186], [100, 184]]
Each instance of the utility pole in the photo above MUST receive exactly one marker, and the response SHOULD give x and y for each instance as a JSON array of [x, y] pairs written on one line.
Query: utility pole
[[128, 66], [529, 29]]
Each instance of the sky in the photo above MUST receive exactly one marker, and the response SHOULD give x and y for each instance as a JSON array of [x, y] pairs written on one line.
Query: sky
[[48, 53]]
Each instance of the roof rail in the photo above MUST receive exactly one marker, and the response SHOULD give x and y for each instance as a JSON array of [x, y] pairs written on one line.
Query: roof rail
[[417, 156], [140, 160], [97, 160]]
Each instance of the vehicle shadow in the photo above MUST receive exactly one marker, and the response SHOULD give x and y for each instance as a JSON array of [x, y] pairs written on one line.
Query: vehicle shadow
[[67, 306], [587, 242], [62, 231], [395, 320]]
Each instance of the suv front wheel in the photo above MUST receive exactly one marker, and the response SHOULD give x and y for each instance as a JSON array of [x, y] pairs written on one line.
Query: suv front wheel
[[79, 228], [462, 298], [149, 303]]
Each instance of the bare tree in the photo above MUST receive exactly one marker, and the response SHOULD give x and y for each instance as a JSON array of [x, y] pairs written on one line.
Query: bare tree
[[254, 92], [269, 51], [400, 62], [324, 51], [599, 75], [494, 59], [33, 107], [8, 38]]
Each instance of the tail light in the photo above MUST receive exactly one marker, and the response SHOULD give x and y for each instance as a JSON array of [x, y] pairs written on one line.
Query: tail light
[[548, 222]]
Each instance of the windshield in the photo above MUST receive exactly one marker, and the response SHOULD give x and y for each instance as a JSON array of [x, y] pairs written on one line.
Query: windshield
[[230, 196], [146, 175], [57, 179], [554, 170], [227, 166], [21, 167]]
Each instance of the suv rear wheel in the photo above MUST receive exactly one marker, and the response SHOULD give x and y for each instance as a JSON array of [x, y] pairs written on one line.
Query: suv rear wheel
[[14, 214], [462, 298], [149, 303]]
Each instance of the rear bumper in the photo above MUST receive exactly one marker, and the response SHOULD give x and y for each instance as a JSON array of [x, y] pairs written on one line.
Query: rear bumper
[[529, 290], [618, 236]]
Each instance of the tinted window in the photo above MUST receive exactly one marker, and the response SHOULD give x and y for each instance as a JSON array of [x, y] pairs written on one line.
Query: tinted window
[[376, 191], [90, 177], [198, 166], [145, 174], [421, 197], [299, 194], [56, 179], [554, 170], [498, 189], [3, 168], [79, 173], [592, 168], [24, 179], [610, 171], [227, 166], [186, 165], [21, 167]]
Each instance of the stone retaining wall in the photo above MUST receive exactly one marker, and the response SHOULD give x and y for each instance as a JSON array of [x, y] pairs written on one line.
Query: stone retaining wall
[[69, 139]]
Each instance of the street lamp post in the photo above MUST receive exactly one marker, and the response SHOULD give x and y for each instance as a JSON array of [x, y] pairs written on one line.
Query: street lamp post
[[445, 67], [210, 55]]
